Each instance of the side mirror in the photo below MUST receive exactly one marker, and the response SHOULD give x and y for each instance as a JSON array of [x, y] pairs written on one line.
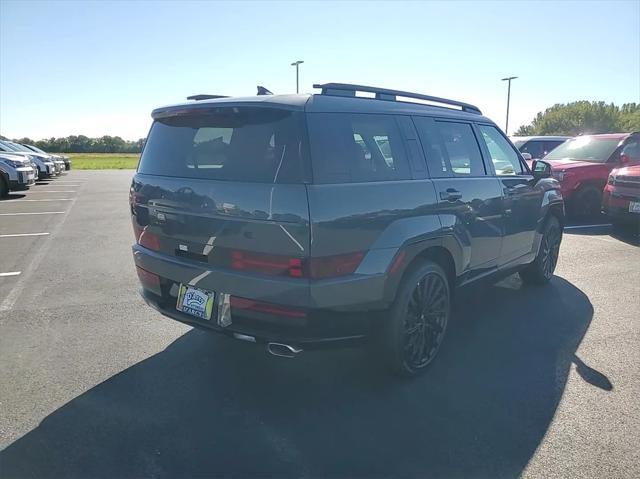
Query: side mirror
[[541, 169], [527, 156]]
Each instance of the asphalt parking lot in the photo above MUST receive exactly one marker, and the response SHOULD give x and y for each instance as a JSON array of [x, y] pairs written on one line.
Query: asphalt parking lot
[[540, 382]]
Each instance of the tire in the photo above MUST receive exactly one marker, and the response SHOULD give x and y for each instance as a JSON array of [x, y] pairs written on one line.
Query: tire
[[540, 271], [4, 188], [407, 342], [587, 203]]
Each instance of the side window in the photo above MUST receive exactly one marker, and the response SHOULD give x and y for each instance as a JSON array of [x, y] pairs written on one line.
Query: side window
[[534, 148], [632, 150], [356, 148], [549, 146], [461, 148], [504, 157]]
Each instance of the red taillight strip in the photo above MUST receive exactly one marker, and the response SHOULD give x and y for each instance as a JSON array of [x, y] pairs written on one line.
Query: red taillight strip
[[397, 262], [250, 304], [149, 239], [148, 277]]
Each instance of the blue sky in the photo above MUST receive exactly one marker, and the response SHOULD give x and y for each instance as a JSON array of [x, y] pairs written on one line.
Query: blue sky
[[98, 68]]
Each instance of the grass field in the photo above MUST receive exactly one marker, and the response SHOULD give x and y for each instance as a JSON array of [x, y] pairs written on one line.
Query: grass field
[[103, 161]]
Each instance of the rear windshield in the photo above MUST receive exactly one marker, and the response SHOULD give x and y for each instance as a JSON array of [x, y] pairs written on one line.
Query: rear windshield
[[585, 148], [233, 143]]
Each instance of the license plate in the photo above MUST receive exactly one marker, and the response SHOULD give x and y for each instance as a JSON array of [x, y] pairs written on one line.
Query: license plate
[[196, 302], [634, 207]]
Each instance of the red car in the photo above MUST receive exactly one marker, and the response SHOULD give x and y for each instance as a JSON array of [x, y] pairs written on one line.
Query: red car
[[582, 166], [621, 197]]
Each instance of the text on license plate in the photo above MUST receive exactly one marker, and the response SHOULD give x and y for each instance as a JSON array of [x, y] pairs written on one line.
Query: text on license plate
[[196, 302], [634, 207]]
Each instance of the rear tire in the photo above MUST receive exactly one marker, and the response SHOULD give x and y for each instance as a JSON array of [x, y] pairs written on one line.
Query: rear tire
[[414, 329], [540, 271]]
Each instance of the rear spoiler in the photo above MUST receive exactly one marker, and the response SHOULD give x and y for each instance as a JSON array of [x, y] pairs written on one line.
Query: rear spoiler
[[205, 97]]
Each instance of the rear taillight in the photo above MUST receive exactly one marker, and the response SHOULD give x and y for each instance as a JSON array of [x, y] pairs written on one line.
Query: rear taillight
[[314, 268], [273, 265], [147, 238], [332, 266], [268, 308]]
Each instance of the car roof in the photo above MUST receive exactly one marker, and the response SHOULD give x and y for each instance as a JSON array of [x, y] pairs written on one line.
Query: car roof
[[318, 103], [539, 137], [611, 136]]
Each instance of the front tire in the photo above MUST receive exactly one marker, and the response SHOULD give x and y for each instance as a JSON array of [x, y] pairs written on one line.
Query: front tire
[[4, 188], [588, 202], [416, 324], [540, 271]]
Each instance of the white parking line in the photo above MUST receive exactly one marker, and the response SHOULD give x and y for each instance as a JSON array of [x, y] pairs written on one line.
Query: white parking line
[[43, 199], [18, 235], [39, 213], [577, 227], [11, 273], [52, 191]]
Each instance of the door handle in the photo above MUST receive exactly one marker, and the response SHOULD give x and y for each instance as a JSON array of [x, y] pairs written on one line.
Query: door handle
[[450, 194]]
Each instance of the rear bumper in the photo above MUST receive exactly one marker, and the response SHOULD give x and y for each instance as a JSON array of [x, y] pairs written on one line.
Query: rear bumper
[[308, 335], [338, 311], [358, 292]]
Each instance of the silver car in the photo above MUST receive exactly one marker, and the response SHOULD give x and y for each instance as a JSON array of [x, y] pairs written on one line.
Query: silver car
[[16, 173], [45, 164]]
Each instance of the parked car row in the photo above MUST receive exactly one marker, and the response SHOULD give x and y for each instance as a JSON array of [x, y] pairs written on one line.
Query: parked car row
[[21, 165], [596, 172]]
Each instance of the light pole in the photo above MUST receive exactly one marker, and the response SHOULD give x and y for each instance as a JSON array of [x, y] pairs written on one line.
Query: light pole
[[297, 65], [508, 79]]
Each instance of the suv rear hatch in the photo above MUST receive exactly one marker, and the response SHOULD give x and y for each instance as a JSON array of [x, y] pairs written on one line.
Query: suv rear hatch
[[223, 188]]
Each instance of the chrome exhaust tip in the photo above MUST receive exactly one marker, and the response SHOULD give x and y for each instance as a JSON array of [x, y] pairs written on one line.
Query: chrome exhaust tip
[[283, 350]]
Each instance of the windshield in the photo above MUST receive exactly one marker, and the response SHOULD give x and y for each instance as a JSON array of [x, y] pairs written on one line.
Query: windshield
[[8, 146], [585, 148], [239, 144], [18, 147], [519, 143], [36, 149]]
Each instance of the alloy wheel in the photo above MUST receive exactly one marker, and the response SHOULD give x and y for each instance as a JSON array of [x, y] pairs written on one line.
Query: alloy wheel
[[425, 321], [550, 251]]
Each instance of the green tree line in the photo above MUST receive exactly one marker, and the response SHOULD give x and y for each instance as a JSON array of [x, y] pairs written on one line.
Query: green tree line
[[584, 117], [84, 144]]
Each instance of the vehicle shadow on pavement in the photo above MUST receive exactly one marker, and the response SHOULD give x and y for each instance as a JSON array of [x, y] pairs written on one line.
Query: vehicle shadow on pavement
[[13, 196], [628, 233], [209, 406]]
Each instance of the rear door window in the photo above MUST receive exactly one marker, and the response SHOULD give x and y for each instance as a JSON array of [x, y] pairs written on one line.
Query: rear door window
[[232, 143], [348, 148], [461, 148]]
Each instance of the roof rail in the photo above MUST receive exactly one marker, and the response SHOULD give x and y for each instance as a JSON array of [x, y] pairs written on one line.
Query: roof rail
[[205, 97], [347, 89]]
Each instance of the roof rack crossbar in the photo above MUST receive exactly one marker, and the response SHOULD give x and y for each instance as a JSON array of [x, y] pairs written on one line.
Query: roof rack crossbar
[[205, 97], [347, 89]]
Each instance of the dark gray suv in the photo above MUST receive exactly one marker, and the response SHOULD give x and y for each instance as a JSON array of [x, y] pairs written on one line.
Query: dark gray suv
[[308, 221]]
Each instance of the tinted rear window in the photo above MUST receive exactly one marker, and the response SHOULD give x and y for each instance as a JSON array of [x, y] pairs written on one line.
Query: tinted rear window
[[235, 143], [356, 148]]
